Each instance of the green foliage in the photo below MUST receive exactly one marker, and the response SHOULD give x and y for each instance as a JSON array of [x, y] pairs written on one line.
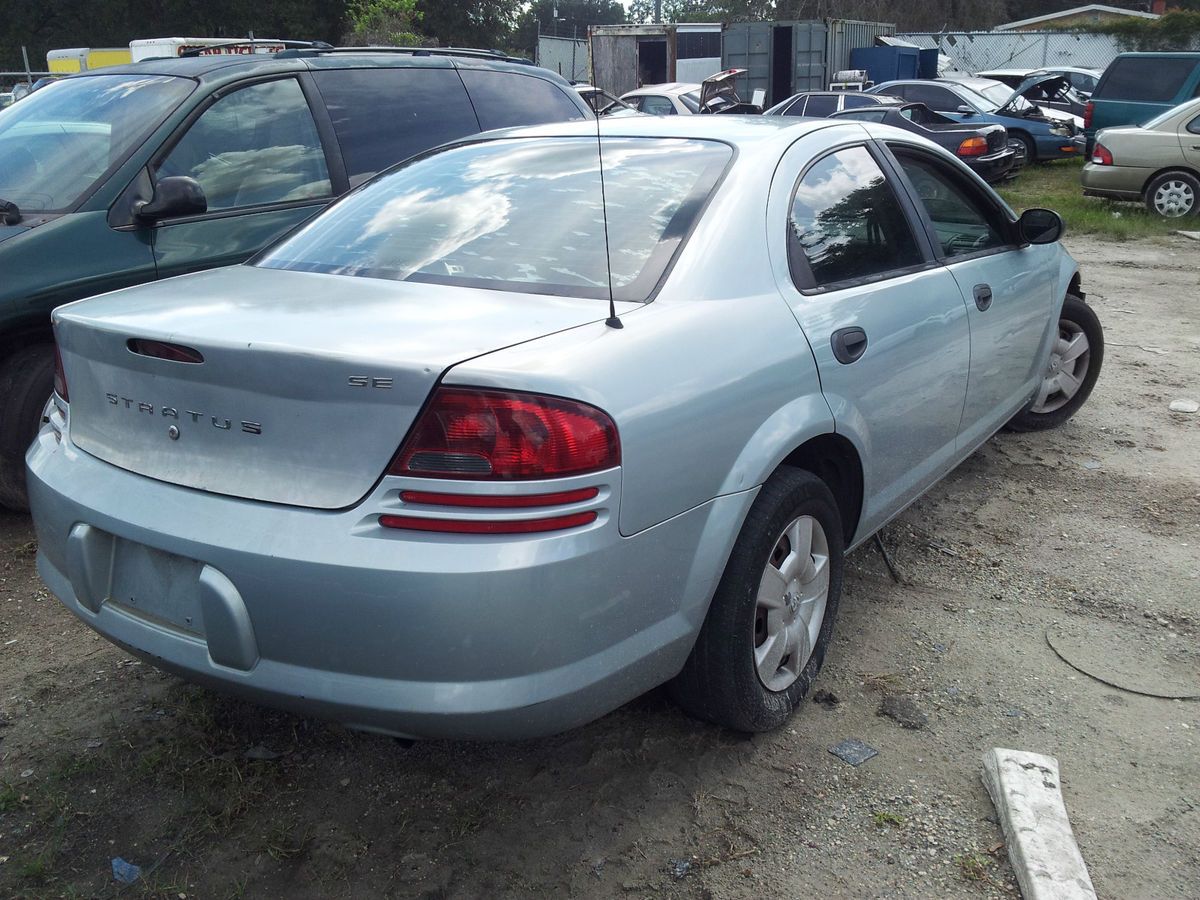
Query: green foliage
[[574, 17], [487, 24], [388, 22], [1177, 30]]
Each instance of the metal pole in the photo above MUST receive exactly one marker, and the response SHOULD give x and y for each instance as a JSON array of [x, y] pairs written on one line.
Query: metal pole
[[574, 47], [25, 57]]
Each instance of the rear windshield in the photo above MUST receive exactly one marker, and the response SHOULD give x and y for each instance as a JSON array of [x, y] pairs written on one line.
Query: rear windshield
[[58, 142], [519, 215], [1148, 79]]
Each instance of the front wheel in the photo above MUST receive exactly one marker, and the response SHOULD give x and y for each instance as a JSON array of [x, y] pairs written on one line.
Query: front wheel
[[1071, 372], [771, 619], [26, 381]]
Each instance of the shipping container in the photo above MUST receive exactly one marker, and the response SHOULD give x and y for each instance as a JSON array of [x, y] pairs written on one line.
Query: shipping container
[[846, 35], [780, 58]]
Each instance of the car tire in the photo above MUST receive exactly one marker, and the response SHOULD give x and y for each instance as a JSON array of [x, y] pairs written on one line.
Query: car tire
[[1074, 366], [793, 529], [1031, 156], [1174, 195], [26, 382]]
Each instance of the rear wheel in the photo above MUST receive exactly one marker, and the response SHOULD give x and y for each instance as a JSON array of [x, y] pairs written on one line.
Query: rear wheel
[[771, 619], [1071, 372], [1174, 195], [26, 381]]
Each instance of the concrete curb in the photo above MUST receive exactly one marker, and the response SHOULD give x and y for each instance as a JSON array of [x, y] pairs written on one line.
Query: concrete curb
[[1024, 788]]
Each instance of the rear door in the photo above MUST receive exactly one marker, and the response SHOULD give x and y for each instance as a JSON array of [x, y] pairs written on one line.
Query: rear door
[[886, 323], [1189, 139], [1008, 291], [259, 158]]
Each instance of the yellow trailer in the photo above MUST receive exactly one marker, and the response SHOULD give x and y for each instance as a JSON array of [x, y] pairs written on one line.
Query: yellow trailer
[[84, 59]]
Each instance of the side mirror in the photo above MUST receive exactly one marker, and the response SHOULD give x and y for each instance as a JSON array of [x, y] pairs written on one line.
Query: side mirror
[[1041, 226], [965, 110], [175, 195]]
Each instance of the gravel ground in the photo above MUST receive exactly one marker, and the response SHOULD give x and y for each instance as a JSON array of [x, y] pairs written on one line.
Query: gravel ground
[[1095, 525]]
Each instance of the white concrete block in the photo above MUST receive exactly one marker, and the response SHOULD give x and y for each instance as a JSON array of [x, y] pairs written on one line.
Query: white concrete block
[[1041, 846]]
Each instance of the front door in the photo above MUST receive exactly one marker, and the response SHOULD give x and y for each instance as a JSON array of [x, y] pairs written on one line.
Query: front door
[[886, 323], [1009, 292], [257, 155]]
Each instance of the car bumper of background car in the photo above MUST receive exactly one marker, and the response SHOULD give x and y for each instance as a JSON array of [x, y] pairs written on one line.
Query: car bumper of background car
[[327, 614], [1114, 182], [1057, 146], [994, 166]]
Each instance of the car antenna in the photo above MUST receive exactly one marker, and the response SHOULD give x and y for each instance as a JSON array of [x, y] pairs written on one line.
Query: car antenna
[[612, 321]]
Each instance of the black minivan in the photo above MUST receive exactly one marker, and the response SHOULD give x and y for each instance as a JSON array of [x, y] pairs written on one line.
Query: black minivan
[[127, 174]]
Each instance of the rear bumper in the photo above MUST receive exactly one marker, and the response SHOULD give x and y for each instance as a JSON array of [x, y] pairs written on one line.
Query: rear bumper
[[994, 166], [1114, 182], [327, 614]]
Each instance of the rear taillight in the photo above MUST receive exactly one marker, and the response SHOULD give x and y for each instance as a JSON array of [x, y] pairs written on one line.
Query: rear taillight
[[1088, 112], [489, 526], [474, 433], [973, 146], [1101, 155], [60, 377]]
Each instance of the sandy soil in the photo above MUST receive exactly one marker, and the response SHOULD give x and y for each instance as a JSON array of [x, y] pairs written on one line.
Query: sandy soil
[[1096, 524]]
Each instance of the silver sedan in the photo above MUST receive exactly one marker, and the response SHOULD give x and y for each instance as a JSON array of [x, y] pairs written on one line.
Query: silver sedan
[[520, 429]]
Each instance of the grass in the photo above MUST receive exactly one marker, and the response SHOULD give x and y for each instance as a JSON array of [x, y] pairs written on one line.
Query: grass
[[1056, 185], [883, 818]]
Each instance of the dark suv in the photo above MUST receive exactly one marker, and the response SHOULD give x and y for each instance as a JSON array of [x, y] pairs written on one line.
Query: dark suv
[[145, 171]]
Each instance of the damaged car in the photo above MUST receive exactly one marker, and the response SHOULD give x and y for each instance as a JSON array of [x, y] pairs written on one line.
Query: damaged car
[[716, 94]]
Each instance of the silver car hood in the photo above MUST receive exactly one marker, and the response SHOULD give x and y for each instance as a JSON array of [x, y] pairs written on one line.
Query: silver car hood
[[308, 384]]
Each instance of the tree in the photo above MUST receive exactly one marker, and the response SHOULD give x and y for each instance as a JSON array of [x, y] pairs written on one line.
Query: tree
[[469, 23], [574, 18], [382, 22]]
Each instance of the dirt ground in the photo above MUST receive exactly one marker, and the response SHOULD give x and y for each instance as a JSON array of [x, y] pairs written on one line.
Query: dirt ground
[[1095, 525]]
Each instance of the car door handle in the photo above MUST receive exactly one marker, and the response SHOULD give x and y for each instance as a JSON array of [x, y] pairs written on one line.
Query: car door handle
[[983, 296], [849, 344]]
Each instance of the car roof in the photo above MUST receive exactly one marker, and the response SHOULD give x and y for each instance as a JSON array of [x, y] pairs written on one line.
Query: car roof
[[672, 88], [740, 131], [223, 66]]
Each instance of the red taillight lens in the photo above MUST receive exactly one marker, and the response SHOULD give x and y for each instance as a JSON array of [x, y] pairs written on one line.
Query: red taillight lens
[[60, 377], [1088, 112], [163, 350], [472, 433], [1101, 155], [973, 146]]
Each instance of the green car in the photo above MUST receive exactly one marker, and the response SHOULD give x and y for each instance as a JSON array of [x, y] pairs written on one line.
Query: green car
[[142, 172]]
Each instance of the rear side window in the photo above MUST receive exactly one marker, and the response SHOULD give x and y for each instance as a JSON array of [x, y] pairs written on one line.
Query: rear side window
[[656, 106], [523, 215], [797, 108], [820, 106], [1148, 79], [383, 116], [505, 99], [846, 222]]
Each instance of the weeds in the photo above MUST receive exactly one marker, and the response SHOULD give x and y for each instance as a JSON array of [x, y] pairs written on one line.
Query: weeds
[[973, 866], [884, 818]]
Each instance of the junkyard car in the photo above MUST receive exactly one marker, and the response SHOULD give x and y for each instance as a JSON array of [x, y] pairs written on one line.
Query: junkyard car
[[1157, 163], [1082, 81], [495, 444], [716, 94], [819, 104], [132, 173], [1047, 134], [982, 147]]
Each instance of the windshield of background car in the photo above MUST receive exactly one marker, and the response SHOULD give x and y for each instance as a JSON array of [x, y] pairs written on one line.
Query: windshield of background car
[[57, 142], [997, 95], [691, 100], [519, 215]]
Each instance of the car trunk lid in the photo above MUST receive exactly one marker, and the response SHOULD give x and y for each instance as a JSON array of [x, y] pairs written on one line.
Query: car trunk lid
[[308, 384]]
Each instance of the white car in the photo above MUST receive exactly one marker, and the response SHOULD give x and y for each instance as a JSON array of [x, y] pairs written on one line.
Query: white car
[[715, 94]]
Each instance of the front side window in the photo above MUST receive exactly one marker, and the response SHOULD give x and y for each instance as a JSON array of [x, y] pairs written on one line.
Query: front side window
[[58, 142], [934, 97], [520, 215], [256, 146], [960, 219], [857, 101], [846, 222]]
